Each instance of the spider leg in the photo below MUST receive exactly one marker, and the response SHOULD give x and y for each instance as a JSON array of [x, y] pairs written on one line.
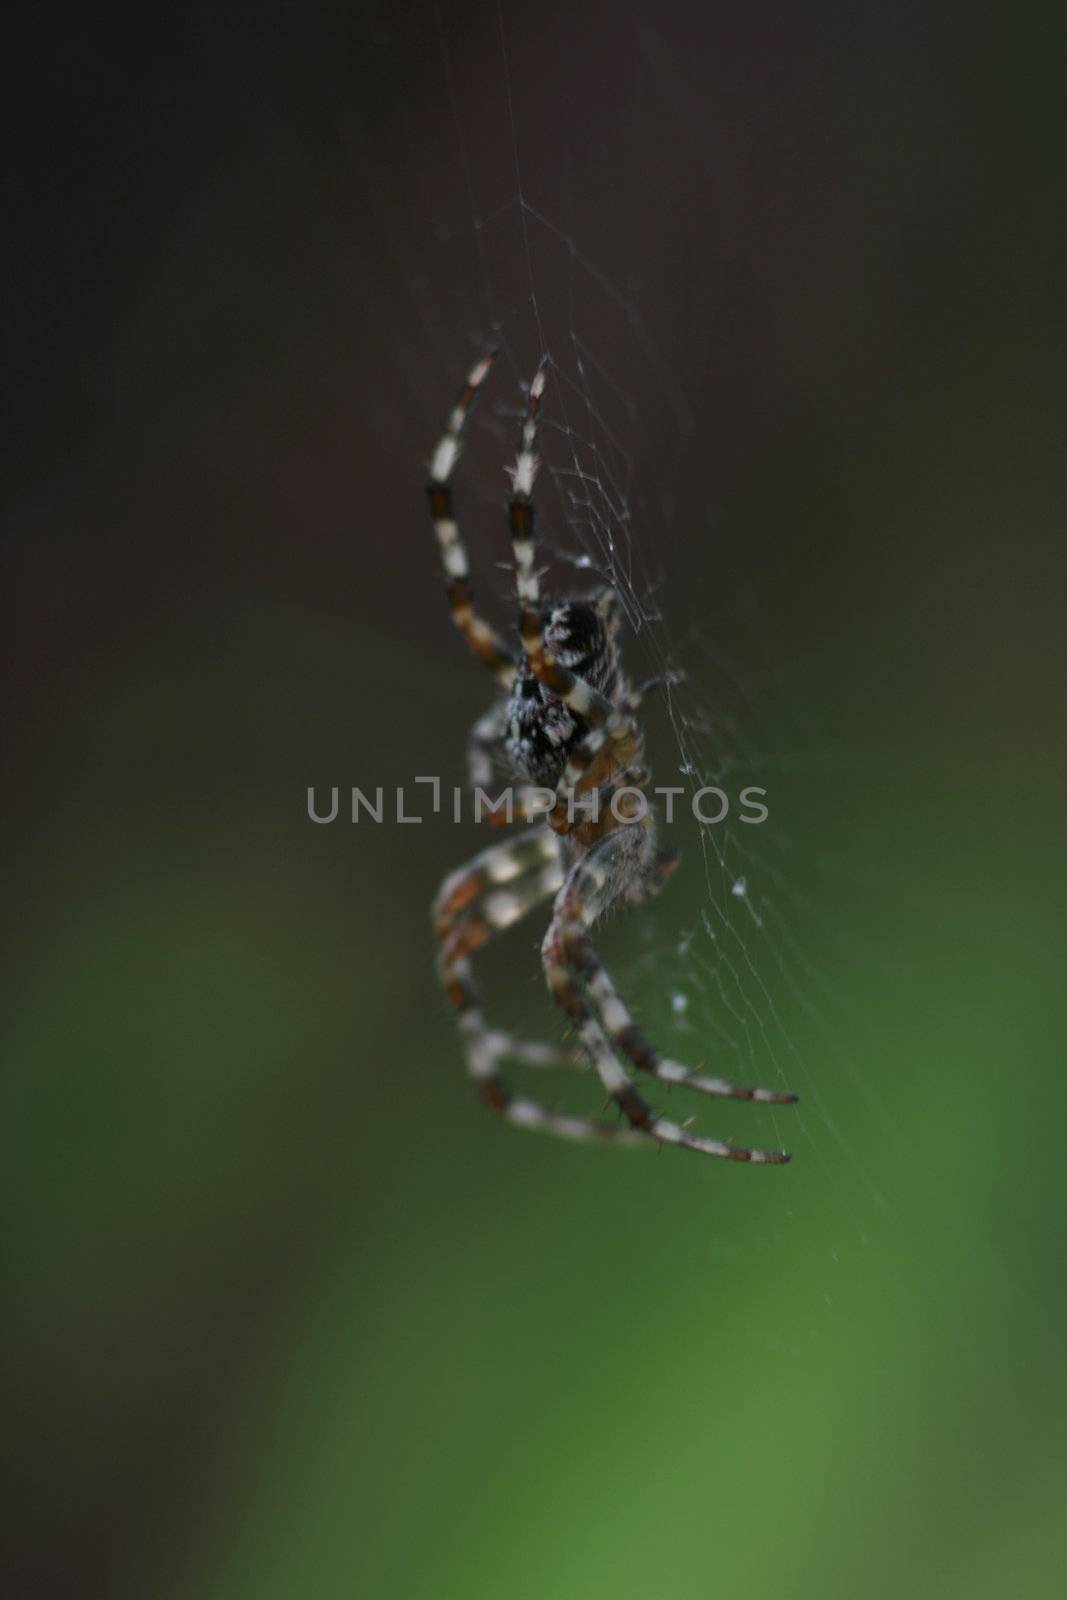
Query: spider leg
[[482, 741], [491, 869], [605, 1026], [598, 756], [575, 691], [472, 905], [527, 805], [482, 638]]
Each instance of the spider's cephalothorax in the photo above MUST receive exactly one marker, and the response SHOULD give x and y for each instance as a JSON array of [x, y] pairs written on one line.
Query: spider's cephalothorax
[[566, 721], [542, 730]]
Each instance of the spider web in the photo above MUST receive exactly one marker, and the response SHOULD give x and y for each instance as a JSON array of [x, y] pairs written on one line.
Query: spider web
[[728, 981], [719, 969]]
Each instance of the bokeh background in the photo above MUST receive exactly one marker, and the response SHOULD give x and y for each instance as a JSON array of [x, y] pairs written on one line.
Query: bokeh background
[[284, 1312]]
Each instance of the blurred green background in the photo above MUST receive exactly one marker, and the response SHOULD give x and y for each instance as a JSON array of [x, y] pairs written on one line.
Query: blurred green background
[[285, 1312]]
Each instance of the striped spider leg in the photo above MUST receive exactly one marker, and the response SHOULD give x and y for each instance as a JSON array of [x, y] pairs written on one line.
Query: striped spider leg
[[581, 985], [482, 638], [493, 892]]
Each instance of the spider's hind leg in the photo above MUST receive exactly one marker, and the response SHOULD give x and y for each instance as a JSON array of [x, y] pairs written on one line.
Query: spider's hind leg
[[647, 887], [489, 894], [608, 1031]]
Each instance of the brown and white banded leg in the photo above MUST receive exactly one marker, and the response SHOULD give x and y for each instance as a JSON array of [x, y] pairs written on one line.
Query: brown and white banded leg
[[498, 867], [488, 894], [491, 893], [527, 804], [579, 695], [483, 742], [482, 638], [605, 1026], [598, 755]]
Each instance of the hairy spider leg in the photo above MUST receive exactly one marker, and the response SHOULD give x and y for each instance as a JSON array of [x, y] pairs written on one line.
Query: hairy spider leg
[[493, 892], [579, 695], [482, 638], [603, 1021], [483, 741], [598, 755], [494, 868]]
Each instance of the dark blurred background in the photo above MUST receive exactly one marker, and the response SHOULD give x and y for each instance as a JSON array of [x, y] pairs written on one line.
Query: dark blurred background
[[284, 1311]]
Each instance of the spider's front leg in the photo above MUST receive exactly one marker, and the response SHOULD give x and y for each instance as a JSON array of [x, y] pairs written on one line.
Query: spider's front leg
[[573, 690], [481, 637], [599, 880]]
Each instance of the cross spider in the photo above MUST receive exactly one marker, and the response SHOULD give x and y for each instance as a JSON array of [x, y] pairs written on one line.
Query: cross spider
[[566, 723]]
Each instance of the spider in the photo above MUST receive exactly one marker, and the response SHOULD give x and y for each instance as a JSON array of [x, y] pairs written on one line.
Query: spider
[[564, 721]]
